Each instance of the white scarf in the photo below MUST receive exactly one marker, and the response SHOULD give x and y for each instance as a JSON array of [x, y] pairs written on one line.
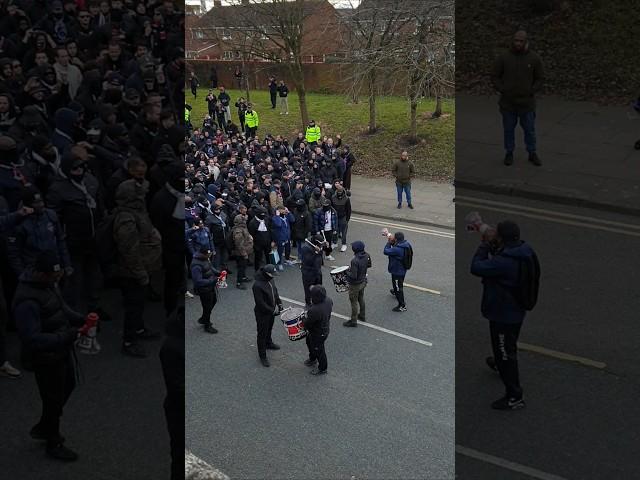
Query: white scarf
[[178, 211]]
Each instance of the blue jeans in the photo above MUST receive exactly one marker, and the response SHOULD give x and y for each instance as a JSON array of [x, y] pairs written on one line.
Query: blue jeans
[[528, 124], [406, 188], [284, 251], [299, 249]]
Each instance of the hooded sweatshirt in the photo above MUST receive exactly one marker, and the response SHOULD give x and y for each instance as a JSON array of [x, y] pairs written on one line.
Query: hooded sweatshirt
[[499, 274], [357, 272], [319, 314]]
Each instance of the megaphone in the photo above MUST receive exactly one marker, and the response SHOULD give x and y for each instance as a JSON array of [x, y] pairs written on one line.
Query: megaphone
[[87, 342]]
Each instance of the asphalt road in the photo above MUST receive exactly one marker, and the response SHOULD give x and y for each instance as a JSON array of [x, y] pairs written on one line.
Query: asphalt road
[[581, 419], [114, 420], [384, 410]]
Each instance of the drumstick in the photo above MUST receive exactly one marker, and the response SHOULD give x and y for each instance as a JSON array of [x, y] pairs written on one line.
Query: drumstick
[[315, 247], [325, 238]]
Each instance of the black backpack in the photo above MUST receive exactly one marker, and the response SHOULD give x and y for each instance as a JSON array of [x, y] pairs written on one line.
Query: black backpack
[[526, 291], [407, 257]]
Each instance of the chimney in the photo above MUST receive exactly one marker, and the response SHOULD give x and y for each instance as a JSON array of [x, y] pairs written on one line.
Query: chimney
[[217, 3]]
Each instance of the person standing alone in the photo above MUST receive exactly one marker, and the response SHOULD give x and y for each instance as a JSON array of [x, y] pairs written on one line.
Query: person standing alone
[[273, 90], [283, 92], [518, 75], [403, 171]]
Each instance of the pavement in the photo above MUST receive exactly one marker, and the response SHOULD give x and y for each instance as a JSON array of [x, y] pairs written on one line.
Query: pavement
[[578, 349], [114, 420], [385, 408], [376, 197], [587, 152]]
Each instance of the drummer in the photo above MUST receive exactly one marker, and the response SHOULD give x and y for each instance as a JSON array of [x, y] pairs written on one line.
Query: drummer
[[311, 265], [317, 326]]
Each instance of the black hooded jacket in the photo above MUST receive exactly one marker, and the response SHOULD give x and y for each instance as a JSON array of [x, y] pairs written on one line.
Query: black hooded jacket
[[265, 295], [319, 314]]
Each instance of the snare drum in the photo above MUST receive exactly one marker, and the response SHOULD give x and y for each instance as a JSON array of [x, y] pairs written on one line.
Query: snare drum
[[339, 277], [293, 321]]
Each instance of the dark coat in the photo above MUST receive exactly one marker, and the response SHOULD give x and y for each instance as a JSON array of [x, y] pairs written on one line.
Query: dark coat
[[265, 295], [318, 220], [396, 254], [319, 314], [357, 272]]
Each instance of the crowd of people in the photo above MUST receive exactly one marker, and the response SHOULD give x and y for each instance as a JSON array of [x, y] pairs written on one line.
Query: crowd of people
[[251, 199], [91, 145]]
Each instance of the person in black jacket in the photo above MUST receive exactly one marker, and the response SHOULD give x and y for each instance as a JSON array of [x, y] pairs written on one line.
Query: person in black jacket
[[317, 326], [204, 284], [311, 266], [357, 277], [273, 90], [260, 229], [267, 306], [48, 329]]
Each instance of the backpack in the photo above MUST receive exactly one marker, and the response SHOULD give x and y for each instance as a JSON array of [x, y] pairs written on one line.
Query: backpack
[[526, 291], [407, 257]]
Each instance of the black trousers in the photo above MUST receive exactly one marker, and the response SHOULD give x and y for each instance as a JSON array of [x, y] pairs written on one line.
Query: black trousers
[[273, 99], [56, 381], [308, 280], [504, 340], [208, 300], [264, 324], [398, 288], [242, 267], [261, 255], [133, 300], [315, 344], [175, 281], [251, 131]]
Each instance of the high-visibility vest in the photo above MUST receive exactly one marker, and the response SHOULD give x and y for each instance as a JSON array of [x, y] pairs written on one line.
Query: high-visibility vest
[[313, 134], [187, 115], [251, 119]]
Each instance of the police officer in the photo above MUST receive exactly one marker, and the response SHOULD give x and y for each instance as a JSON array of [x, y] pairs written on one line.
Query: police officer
[[251, 121], [204, 284], [311, 266], [267, 306], [312, 135], [48, 329], [317, 326]]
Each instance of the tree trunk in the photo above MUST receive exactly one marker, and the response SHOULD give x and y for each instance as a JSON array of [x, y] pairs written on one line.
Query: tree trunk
[[244, 80], [372, 102], [413, 125], [438, 112], [297, 74]]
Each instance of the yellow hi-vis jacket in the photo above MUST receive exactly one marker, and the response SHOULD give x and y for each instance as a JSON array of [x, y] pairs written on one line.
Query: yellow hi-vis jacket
[[251, 119], [313, 134]]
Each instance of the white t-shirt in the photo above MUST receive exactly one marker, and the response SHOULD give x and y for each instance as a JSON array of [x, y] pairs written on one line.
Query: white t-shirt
[[327, 221]]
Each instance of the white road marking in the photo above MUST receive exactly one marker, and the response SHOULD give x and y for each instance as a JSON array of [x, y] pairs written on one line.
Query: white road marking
[[561, 355], [506, 464], [517, 211], [409, 228], [367, 324], [423, 289]]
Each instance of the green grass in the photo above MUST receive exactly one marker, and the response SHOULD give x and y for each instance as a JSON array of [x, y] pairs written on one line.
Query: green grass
[[434, 156]]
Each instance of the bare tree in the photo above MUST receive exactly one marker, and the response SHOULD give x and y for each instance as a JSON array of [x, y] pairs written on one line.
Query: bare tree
[[373, 31], [273, 30]]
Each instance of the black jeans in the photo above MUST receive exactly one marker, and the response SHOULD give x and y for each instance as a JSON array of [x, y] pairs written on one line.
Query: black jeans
[[264, 324], [56, 381], [308, 280], [315, 344], [208, 299], [261, 255], [242, 267], [133, 299], [273, 99], [175, 280], [83, 286], [504, 340], [398, 283], [221, 257]]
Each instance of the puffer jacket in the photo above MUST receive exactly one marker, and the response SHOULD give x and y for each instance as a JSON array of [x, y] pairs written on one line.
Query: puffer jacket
[[139, 243], [319, 220], [242, 239], [396, 255], [281, 227]]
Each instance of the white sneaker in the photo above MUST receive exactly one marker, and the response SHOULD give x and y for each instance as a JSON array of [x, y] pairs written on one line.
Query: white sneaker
[[343, 248], [7, 370], [286, 113], [281, 268], [188, 294], [334, 245], [280, 113], [330, 258]]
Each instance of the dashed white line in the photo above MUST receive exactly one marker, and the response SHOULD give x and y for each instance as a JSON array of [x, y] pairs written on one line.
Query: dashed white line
[[370, 325], [506, 464]]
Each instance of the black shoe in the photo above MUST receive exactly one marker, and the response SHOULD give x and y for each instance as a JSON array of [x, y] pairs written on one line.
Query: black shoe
[[240, 286], [411, 206], [399, 205], [533, 158], [146, 334], [201, 321], [491, 363], [273, 346], [265, 362], [317, 371], [60, 452], [349, 323], [310, 363], [506, 403], [399, 308], [210, 329], [37, 434], [508, 159], [134, 350]]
